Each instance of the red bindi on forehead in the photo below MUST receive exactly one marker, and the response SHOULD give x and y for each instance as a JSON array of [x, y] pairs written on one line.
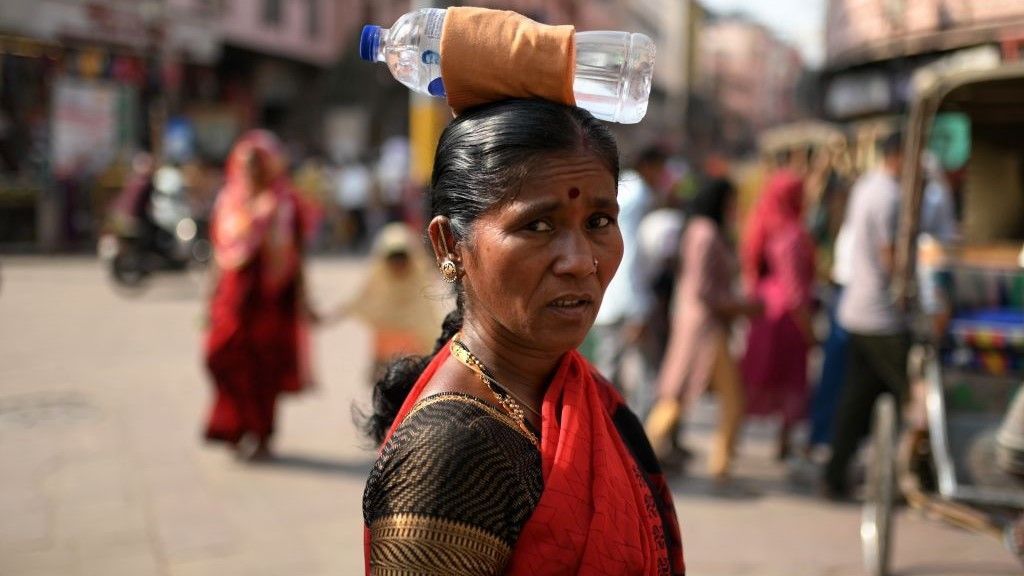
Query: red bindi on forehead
[[574, 193]]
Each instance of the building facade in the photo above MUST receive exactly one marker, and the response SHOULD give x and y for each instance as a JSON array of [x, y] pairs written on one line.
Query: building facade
[[87, 82], [868, 30], [750, 76], [308, 31], [874, 48], [84, 84]]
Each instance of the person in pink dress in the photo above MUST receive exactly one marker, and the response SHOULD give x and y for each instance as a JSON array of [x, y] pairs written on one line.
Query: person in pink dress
[[697, 354], [777, 258]]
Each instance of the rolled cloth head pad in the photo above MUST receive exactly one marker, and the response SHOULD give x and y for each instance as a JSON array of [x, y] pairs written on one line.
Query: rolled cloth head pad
[[490, 55]]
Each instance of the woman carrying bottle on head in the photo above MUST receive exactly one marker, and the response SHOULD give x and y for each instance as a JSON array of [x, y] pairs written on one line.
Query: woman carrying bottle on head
[[256, 342], [504, 452]]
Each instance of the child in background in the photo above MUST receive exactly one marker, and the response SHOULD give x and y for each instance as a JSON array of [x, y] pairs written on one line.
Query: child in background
[[394, 302]]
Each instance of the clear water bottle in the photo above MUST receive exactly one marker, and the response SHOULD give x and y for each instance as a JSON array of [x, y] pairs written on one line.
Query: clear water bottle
[[411, 49], [613, 69], [613, 74]]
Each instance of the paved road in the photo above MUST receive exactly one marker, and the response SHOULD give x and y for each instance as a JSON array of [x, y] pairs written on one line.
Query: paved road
[[102, 471]]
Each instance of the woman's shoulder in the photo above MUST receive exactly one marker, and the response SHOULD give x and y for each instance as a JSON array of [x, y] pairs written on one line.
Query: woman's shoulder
[[456, 458], [474, 411], [451, 490], [458, 418]]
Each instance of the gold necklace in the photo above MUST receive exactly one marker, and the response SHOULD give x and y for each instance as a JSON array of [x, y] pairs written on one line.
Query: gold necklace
[[462, 354], [510, 402]]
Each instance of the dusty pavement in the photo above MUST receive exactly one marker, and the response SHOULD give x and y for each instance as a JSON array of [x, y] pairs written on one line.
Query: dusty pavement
[[102, 471]]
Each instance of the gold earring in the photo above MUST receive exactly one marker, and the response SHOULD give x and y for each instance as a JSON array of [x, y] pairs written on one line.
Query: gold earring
[[449, 271]]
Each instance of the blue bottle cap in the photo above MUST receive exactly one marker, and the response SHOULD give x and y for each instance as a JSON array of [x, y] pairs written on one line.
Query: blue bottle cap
[[369, 42], [436, 87]]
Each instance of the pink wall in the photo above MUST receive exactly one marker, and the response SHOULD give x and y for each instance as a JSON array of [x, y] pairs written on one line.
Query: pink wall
[[243, 24], [854, 24], [341, 21], [749, 72]]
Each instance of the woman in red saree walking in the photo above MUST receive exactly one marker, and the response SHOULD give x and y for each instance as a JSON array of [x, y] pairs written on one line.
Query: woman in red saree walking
[[256, 344], [778, 267]]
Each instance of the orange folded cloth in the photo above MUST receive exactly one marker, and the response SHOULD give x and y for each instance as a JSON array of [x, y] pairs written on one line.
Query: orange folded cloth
[[489, 55]]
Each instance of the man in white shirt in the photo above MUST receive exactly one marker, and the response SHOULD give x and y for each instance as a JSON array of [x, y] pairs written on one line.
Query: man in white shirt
[[879, 340]]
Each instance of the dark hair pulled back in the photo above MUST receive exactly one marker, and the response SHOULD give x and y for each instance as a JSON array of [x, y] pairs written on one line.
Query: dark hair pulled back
[[712, 199], [483, 158]]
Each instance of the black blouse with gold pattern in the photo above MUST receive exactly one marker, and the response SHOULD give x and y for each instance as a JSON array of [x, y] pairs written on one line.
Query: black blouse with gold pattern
[[451, 490]]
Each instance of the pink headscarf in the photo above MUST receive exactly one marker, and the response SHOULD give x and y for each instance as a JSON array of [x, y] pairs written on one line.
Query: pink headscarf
[[246, 221], [781, 205]]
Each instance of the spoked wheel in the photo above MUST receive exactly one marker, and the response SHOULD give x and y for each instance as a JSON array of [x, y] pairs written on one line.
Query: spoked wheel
[[876, 516]]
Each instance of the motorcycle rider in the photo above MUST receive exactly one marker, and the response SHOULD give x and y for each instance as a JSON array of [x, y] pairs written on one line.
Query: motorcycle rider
[[132, 207]]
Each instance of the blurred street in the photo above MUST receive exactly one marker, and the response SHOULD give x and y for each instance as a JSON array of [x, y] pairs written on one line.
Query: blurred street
[[103, 472]]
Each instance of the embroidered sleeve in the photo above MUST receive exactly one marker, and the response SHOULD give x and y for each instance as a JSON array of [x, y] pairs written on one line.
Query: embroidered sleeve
[[414, 544], [450, 491]]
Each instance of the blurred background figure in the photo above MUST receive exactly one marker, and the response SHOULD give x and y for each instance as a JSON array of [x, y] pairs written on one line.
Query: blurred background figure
[[778, 269], [154, 225], [658, 244], [879, 340], [698, 355], [392, 174], [937, 237], [314, 185], [256, 345], [353, 192], [938, 212], [619, 329], [833, 365], [130, 212], [394, 300]]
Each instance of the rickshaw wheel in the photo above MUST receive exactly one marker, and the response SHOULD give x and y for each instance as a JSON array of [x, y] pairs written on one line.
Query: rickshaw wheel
[[876, 515]]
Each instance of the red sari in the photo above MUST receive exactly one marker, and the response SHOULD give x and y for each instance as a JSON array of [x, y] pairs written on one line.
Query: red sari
[[599, 512], [256, 344], [778, 265]]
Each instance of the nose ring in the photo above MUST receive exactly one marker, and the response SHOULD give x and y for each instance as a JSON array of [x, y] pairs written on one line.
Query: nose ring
[[595, 264]]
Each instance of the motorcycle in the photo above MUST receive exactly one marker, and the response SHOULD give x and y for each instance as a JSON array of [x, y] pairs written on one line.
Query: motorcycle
[[168, 239]]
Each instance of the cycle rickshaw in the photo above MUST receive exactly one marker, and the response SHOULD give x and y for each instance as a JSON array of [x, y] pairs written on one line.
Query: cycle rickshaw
[[965, 464]]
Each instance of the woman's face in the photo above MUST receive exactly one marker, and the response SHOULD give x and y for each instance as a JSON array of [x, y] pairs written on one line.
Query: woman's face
[[254, 162], [529, 266], [261, 166]]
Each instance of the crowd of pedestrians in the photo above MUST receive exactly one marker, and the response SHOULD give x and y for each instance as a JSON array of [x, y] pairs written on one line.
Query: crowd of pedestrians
[[748, 302]]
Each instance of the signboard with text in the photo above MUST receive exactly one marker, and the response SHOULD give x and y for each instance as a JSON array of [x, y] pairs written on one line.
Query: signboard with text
[[85, 125]]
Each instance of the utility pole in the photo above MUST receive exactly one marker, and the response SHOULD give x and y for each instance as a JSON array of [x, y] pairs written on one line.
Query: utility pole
[[427, 118]]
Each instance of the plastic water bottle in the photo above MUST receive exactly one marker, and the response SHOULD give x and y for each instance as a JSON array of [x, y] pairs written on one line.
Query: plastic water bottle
[[612, 79], [613, 74], [411, 49]]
